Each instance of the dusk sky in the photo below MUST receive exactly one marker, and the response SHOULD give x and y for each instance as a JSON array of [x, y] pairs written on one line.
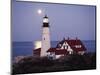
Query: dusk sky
[[65, 21]]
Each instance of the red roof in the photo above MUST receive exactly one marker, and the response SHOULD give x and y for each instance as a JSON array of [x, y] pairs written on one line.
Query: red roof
[[58, 51], [73, 44], [37, 51]]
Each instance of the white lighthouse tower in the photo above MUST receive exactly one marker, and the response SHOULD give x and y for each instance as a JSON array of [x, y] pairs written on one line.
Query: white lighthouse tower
[[45, 36]]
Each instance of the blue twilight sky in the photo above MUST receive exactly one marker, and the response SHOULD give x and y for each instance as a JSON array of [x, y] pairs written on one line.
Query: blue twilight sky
[[65, 21]]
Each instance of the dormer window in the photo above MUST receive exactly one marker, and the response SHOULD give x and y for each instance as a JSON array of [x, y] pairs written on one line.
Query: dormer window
[[78, 46], [59, 45]]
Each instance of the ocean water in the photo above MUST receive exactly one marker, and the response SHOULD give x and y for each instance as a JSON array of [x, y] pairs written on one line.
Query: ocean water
[[26, 48]]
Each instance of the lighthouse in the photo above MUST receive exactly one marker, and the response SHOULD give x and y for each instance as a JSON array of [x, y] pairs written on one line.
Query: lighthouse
[[45, 36]]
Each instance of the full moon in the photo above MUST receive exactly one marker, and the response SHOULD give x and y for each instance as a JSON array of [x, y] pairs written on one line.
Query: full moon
[[39, 11]]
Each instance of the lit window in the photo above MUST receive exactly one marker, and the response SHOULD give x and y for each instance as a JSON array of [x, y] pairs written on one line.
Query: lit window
[[45, 20], [78, 46]]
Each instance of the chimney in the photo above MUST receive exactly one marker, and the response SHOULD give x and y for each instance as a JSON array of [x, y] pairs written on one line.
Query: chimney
[[76, 38], [68, 38], [64, 38]]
